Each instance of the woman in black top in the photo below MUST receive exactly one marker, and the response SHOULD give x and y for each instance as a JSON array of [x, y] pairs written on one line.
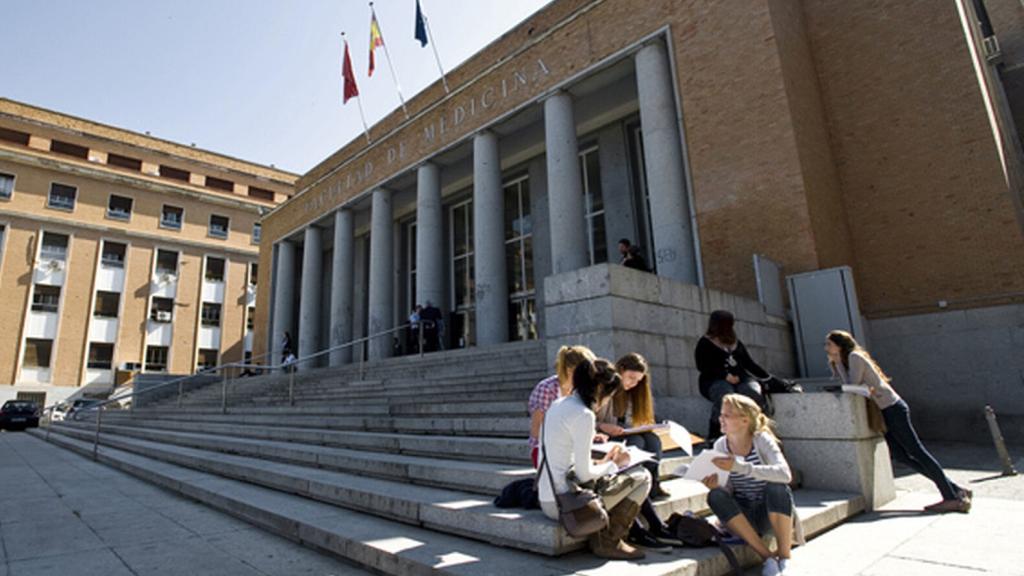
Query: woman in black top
[[726, 367]]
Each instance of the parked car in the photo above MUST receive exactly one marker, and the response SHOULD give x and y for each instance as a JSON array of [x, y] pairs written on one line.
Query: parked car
[[67, 410], [19, 414]]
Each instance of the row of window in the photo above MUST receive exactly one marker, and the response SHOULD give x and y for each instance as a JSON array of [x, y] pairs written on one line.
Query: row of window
[[38, 353], [64, 197], [133, 164]]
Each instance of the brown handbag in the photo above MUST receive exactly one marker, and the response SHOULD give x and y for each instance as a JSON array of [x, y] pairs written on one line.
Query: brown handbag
[[580, 510]]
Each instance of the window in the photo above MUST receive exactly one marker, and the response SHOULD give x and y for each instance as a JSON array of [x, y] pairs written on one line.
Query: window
[[55, 247], [257, 233], [463, 331], [14, 136], [156, 359], [119, 161], [166, 262], [101, 356], [593, 205], [207, 358], [6, 185], [254, 273], [37, 353], [219, 226], [45, 298], [174, 173], [250, 317], [261, 194], [119, 207], [107, 304], [62, 197], [219, 184], [69, 149], [161, 310], [211, 314], [113, 254], [519, 261], [214, 269], [172, 217]]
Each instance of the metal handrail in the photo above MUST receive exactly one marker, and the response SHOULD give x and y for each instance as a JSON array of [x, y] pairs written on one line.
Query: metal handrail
[[98, 406]]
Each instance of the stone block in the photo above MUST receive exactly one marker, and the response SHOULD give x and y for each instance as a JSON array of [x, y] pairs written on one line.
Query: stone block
[[679, 352], [651, 346], [822, 415], [582, 284], [583, 316], [860, 466], [632, 284]]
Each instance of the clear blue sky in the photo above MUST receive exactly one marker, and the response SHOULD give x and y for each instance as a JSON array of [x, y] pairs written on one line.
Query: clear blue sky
[[260, 80]]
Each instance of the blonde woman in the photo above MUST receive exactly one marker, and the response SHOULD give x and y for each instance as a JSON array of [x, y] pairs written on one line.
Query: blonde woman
[[861, 375], [756, 495], [552, 388]]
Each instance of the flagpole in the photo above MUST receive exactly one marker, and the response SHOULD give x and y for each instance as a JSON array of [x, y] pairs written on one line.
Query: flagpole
[[433, 46], [387, 55], [358, 100]]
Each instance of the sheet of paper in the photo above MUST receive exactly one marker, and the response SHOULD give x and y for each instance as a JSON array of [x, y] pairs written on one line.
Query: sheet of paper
[[636, 455], [681, 436], [703, 466], [644, 428]]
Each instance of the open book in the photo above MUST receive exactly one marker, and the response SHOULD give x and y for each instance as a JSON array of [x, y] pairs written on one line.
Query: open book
[[636, 455], [672, 435]]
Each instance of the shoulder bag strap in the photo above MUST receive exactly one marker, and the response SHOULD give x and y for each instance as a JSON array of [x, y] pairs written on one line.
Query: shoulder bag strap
[[544, 461]]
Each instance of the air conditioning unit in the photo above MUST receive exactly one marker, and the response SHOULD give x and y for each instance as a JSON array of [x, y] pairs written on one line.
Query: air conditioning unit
[[163, 316], [167, 278], [55, 265]]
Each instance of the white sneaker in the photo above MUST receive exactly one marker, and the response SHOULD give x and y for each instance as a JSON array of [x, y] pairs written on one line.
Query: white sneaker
[[783, 565], [770, 567]]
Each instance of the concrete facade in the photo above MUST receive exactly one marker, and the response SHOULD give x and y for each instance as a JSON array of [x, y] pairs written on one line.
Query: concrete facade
[[115, 243]]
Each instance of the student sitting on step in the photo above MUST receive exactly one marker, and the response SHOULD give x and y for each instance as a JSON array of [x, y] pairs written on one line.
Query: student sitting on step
[[634, 406], [757, 493], [552, 388], [567, 438]]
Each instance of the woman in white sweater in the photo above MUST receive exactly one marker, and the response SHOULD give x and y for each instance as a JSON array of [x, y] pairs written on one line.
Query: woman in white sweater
[[757, 493], [566, 442]]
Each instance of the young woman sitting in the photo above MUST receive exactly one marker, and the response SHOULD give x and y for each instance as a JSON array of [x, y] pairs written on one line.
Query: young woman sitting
[[566, 442], [552, 388], [757, 493]]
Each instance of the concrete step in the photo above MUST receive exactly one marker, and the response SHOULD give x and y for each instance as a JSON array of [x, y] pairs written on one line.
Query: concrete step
[[510, 427], [396, 548], [476, 477]]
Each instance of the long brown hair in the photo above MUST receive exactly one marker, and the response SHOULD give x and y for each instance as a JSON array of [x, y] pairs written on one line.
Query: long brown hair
[[721, 327], [639, 396], [848, 345]]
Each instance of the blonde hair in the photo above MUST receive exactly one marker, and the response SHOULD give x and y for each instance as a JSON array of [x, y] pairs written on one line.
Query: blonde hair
[[639, 397], [568, 358], [747, 407]]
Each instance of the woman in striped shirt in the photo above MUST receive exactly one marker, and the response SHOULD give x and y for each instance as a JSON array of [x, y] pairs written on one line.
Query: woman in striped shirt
[[757, 494]]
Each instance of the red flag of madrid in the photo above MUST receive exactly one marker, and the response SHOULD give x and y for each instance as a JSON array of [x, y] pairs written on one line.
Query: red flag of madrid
[[376, 39], [351, 90]]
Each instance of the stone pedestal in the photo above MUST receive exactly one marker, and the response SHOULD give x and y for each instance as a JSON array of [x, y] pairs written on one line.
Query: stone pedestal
[[826, 437]]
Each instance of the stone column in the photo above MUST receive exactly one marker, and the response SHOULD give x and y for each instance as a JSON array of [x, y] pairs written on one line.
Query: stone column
[[284, 299], [381, 281], [673, 252], [309, 303], [342, 282], [489, 242], [565, 188], [429, 237]]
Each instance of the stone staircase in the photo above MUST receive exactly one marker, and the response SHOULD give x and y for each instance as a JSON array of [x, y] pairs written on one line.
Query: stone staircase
[[391, 472]]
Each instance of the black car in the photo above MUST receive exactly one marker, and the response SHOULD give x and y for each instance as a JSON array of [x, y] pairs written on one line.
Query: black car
[[19, 414]]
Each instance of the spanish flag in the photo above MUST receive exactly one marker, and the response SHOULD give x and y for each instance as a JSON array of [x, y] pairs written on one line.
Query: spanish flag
[[375, 40]]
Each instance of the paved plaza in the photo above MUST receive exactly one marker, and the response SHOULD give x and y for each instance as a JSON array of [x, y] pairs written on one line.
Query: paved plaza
[[63, 514]]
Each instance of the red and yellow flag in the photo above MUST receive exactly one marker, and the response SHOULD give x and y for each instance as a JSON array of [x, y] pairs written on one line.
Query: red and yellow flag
[[376, 39]]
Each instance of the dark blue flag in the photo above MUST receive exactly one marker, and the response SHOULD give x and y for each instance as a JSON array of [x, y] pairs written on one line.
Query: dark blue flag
[[421, 26]]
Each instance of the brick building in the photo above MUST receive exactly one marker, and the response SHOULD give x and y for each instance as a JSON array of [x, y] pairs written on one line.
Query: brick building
[[120, 250], [818, 133]]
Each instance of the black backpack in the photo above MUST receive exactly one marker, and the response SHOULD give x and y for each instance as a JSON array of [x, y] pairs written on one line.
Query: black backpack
[[699, 533]]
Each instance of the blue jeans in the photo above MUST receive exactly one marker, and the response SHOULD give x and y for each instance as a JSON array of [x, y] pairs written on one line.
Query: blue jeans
[[906, 447], [777, 498]]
